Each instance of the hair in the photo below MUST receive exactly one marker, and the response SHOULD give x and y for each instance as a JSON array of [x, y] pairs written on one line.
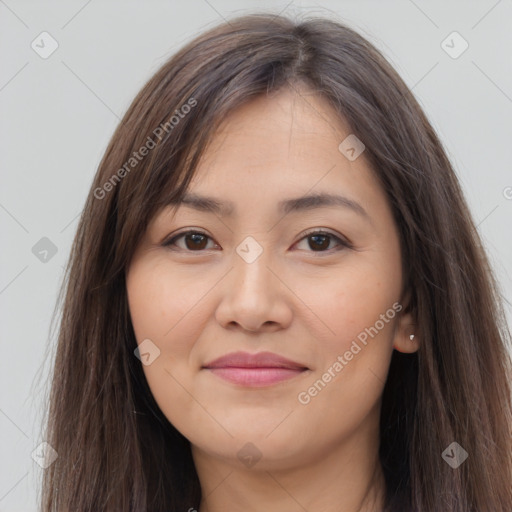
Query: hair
[[117, 451]]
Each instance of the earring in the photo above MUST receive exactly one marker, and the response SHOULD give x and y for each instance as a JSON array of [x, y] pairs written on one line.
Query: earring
[[411, 337]]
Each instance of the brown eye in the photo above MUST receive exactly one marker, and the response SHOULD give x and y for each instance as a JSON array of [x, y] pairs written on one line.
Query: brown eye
[[194, 241], [320, 241]]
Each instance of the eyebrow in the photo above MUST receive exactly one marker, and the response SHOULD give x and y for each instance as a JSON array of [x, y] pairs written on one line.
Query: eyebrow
[[309, 202]]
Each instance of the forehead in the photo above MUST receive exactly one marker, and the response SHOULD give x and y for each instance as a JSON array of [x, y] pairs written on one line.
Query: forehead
[[283, 145], [289, 123]]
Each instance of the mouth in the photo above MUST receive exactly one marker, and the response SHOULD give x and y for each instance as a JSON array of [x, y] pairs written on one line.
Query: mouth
[[255, 370]]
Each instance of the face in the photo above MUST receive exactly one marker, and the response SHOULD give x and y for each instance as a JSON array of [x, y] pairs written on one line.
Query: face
[[300, 298]]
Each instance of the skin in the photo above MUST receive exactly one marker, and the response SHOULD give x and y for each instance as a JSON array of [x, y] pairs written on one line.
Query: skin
[[297, 300]]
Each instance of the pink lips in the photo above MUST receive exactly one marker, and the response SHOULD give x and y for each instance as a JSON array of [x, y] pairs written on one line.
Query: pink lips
[[254, 370]]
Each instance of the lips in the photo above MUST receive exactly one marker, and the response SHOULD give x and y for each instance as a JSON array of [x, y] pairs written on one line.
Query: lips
[[255, 370], [259, 360]]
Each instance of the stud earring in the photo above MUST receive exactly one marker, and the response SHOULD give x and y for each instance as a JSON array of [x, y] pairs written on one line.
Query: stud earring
[[411, 337]]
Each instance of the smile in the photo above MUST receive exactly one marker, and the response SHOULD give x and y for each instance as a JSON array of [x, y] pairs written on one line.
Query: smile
[[255, 370]]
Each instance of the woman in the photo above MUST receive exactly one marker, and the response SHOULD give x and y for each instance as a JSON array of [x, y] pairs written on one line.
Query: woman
[[277, 298]]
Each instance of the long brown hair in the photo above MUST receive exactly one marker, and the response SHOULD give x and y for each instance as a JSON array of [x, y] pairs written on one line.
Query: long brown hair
[[117, 451]]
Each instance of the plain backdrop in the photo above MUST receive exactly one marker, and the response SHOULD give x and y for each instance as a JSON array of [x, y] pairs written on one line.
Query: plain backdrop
[[58, 113]]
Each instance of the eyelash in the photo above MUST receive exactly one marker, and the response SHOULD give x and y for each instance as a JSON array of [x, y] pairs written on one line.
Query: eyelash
[[343, 243]]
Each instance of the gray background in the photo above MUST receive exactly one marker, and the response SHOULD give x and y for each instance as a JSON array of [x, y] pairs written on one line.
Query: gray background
[[57, 115]]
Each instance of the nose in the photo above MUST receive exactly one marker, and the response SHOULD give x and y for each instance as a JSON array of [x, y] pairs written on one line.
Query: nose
[[253, 297]]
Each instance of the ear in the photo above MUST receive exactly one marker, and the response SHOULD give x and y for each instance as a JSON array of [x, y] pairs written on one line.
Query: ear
[[407, 337]]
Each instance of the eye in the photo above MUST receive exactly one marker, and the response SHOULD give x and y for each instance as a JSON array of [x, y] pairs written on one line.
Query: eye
[[196, 241], [193, 240], [319, 241]]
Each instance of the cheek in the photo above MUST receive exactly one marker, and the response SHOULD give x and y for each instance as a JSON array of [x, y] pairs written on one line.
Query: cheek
[[345, 389], [164, 305], [171, 320], [353, 301], [359, 311]]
